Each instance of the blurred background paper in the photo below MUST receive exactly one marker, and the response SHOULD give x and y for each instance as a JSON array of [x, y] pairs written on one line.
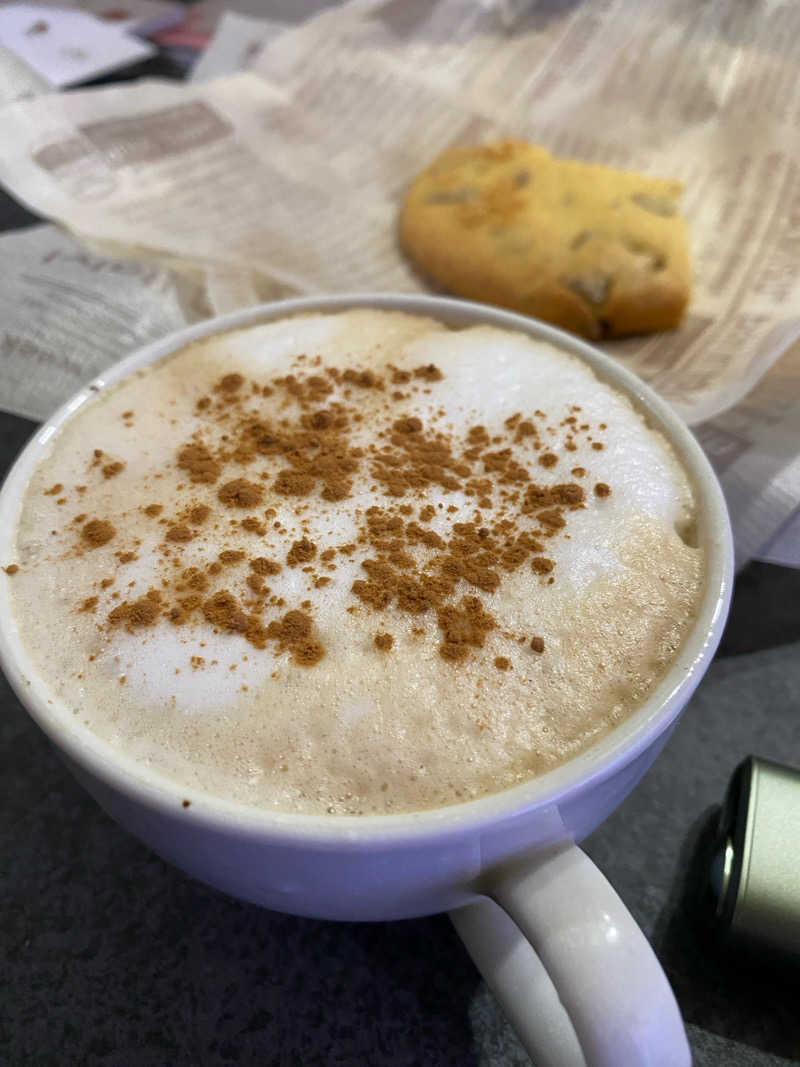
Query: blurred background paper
[[67, 47]]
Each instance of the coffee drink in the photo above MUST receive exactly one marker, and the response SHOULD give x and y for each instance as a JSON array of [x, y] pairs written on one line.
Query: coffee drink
[[356, 562]]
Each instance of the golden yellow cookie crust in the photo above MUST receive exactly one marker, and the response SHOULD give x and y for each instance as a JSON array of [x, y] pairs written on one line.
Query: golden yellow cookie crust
[[598, 251]]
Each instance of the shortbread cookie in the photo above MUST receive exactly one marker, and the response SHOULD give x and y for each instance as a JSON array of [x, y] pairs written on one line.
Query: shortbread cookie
[[601, 252]]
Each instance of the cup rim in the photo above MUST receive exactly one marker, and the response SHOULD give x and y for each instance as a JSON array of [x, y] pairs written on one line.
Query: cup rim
[[621, 745]]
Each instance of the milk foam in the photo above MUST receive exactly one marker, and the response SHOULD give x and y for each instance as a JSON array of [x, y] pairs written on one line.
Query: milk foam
[[362, 730]]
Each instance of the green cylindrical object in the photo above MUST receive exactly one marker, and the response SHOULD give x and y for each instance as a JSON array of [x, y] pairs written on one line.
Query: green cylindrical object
[[755, 869]]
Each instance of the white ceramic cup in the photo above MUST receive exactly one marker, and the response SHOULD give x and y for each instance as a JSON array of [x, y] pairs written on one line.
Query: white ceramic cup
[[573, 971]]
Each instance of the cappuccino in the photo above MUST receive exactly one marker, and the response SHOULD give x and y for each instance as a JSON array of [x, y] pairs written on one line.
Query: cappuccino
[[356, 562]]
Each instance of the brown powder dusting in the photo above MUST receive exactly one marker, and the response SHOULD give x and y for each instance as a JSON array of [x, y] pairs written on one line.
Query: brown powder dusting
[[222, 610], [134, 614], [97, 532], [301, 444], [463, 627], [410, 424], [240, 493], [229, 383], [542, 565], [302, 551], [602, 490], [262, 565], [225, 613], [198, 514], [11, 569], [364, 379], [192, 578], [537, 644], [294, 483], [198, 461], [179, 533], [428, 373], [293, 634], [552, 519], [503, 663]]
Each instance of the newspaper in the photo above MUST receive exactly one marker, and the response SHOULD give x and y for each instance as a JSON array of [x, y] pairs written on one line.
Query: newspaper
[[67, 313], [755, 450], [784, 548], [237, 44], [17, 80], [286, 177]]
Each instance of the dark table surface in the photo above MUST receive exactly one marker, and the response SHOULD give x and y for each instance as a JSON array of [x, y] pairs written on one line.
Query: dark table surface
[[110, 957]]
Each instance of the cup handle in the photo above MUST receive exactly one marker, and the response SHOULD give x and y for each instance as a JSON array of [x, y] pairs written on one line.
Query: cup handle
[[572, 970]]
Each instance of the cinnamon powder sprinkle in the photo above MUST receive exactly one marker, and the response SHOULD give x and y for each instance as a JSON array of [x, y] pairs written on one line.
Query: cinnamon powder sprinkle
[[541, 565], [198, 514], [262, 565], [293, 634], [301, 446], [97, 532], [428, 373], [241, 494], [198, 461], [302, 551], [180, 533], [134, 614], [229, 383]]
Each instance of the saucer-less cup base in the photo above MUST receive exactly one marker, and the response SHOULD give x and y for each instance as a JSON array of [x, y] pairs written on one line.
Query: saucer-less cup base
[[573, 971]]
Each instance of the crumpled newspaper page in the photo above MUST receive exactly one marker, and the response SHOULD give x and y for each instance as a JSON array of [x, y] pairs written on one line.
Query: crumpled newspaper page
[[238, 42], [66, 313], [18, 81], [286, 178]]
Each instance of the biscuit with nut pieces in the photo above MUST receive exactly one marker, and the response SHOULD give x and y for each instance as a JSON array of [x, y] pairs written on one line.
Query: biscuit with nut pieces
[[598, 251]]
